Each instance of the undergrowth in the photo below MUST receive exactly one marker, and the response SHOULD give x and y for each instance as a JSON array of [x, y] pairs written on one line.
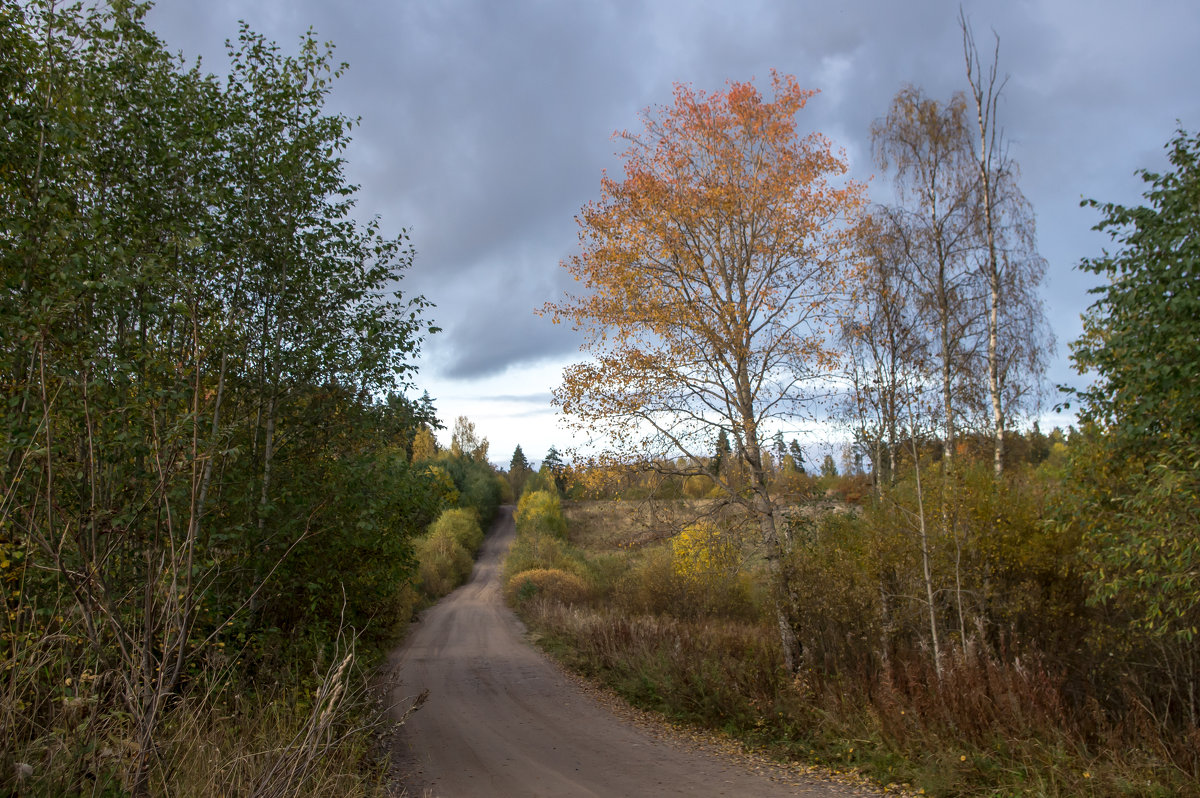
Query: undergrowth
[[986, 725]]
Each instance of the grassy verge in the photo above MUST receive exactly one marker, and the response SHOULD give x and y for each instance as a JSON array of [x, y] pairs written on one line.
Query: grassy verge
[[662, 640], [306, 734]]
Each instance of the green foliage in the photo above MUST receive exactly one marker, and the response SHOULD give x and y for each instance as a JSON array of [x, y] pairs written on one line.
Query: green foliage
[[462, 525], [204, 443], [541, 539], [1147, 550], [533, 550], [1140, 335], [554, 464], [540, 481], [446, 555], [444, 564], [540, 512], [474, 482], [376, 505], [1135, 497], [519, 471]]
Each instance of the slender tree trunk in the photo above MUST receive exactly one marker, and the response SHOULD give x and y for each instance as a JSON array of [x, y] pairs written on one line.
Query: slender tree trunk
[[885, 630], [994, 299], [947, 371], [268, 457], [764, 508], [985, 93], [925, 564], [782, 595]]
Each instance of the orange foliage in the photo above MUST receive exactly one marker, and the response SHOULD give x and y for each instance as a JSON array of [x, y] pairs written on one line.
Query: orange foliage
[[711, 272]]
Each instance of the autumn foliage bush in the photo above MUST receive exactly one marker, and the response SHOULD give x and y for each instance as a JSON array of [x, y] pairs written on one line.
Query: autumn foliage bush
[[552, 584], [1003, 708], [656, 581], [446, 555], [461, 524], [703, 551], [541, 538], [540, 511]]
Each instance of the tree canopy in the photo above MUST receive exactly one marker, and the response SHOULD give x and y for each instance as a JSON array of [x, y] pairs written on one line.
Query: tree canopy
[[201, 364], [1140, 334], [709, 272]]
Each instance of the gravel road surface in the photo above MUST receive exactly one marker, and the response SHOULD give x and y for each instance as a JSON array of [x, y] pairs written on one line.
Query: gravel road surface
[[502, 720]]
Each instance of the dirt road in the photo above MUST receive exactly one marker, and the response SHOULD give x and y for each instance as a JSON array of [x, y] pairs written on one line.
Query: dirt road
[[502, 721]]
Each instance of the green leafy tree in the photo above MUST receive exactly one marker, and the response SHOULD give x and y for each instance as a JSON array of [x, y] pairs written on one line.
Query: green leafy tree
[[196, 336], [1137, 476], [1140, 336]]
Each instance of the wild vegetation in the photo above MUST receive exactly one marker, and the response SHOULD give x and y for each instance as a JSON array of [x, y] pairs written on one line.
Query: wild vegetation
[[210, 500], [219, 503], [994, 610], [666, 601]]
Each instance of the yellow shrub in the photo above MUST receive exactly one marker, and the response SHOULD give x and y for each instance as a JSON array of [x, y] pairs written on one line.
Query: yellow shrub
[[462, 524], [540, 511], [443, 564], [703, 551], [550, 583], [444, 484]]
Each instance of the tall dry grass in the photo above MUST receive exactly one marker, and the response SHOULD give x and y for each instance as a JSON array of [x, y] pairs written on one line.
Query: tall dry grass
[[311, 734]]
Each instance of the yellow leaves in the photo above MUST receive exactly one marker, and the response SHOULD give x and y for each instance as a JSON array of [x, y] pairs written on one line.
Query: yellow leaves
[[704, 551]]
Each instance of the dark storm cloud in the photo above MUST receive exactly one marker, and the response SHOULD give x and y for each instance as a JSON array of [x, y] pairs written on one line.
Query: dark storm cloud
[[486, 125]]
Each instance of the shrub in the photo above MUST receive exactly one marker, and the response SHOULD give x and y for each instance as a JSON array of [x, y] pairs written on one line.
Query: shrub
[[703, 551], [462, 524], [444, 485], [651, 585], [444, 564], [540, 550], [698, 486], [540, 511], [551, 583]]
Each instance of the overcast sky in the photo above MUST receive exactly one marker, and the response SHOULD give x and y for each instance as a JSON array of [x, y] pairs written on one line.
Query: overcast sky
[[486, 125]]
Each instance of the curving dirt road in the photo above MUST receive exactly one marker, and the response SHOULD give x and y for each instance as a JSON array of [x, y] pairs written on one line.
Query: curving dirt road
[[501, 720]]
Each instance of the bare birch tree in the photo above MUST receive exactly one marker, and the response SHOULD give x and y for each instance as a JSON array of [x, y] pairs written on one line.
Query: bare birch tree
[[926, 145], [1010, 267]]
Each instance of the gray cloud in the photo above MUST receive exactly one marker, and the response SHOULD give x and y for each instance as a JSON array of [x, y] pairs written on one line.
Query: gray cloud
[[486, 126]]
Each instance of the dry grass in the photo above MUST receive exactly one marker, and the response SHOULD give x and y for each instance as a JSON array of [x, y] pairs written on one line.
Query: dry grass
[[986, 725], [286, 741]]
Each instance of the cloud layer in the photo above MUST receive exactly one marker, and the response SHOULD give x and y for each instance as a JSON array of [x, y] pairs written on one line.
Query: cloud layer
[[486, 126]]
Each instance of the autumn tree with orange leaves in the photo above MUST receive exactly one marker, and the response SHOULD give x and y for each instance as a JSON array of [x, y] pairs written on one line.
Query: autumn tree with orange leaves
[[711, 278]]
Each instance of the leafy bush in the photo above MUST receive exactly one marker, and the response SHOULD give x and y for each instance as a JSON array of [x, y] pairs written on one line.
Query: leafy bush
[[461, 524], [552, 584], [655, 584], [703, 551], [444, 564], [540, 512], [540, 550]]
